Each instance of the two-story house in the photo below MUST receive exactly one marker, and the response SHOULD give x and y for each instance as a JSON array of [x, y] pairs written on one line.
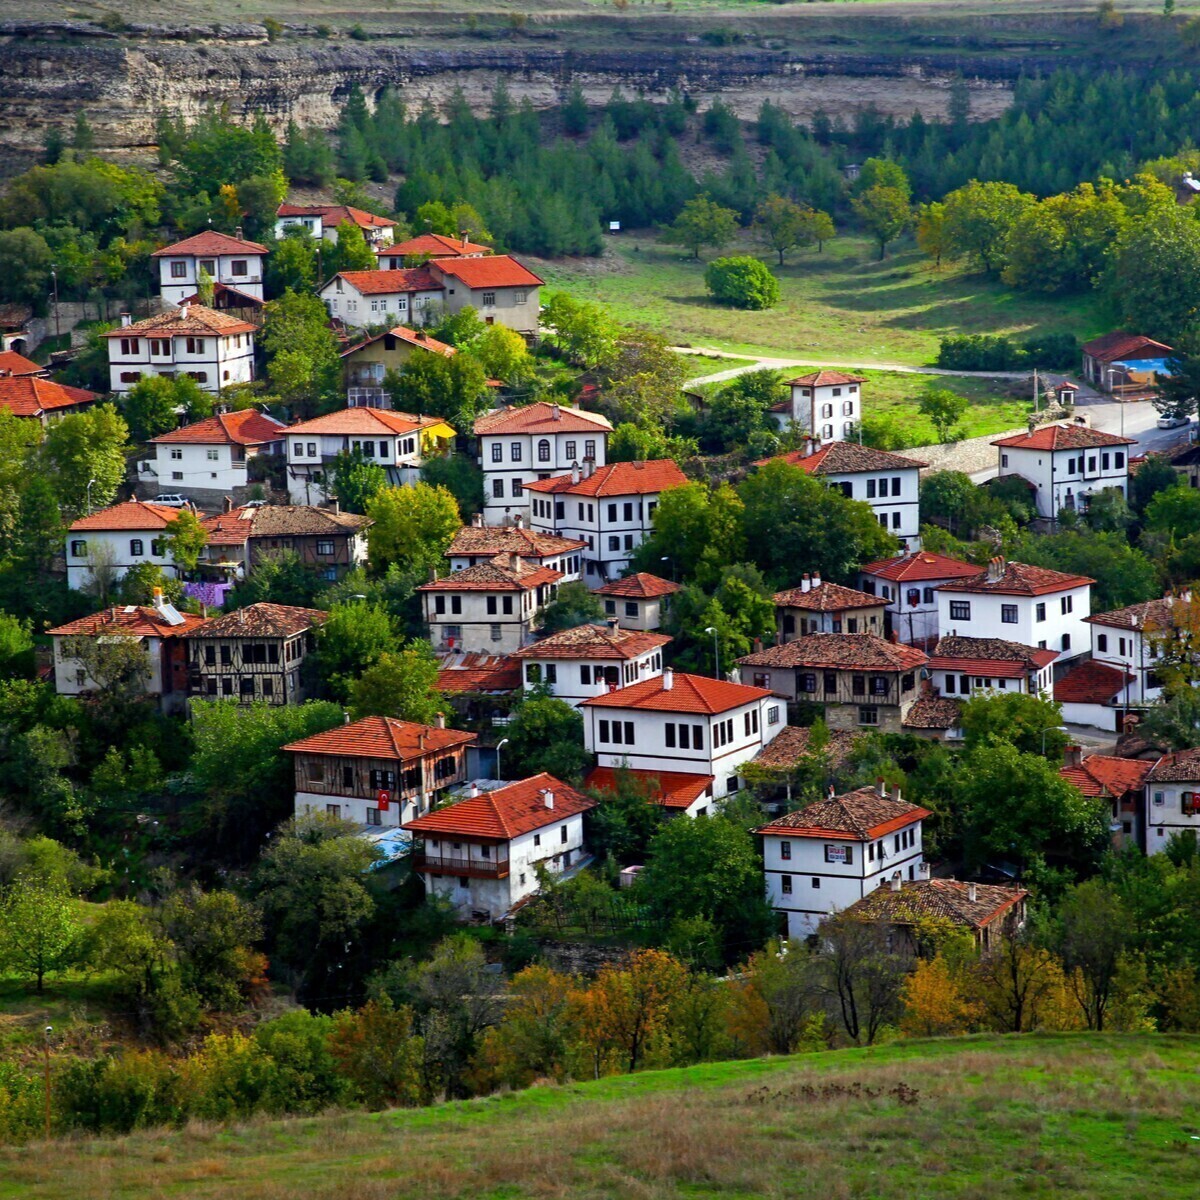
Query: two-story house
[[477, 543], [1140, 638], [396, 441], [1066, 465], [830, 854], [962, 666], [378, 770], [889, 483], [483, 853], [1031, 605], [826, 405], [42, 400], [426, 246], [610, 508], [158, 628], [908, 585], [590, 660], [231, 261], [638, 601], [107, 543], [533, 441], [490, 607], [323, 221], [861, 679], [253, 654], [682, 725], [411, 296], [365, 364], [214, 348], [817, 606], [1172, 799], [211, 459], [500, 289], [1120, 782]]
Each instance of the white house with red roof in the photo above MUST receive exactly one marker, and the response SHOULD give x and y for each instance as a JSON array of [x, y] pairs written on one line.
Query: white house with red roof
[[323, 220], [429, 245], [1172, 799], [683, 725], [396, 441], [1066, 465], [1136, 639], [483, 853], [831, 854], [211, 458], [232, 261], [533, 441], [1119, 781], [409, 296], [215, 348], [889, 483], [477, 543], [590, 660], [826, 405], [378, 771], [908, 585], [490, 607], [610, 508], [818, 606], [1031, 605], [42, 400], [502, 290], [114, 539], [638, 601], [963, 666]]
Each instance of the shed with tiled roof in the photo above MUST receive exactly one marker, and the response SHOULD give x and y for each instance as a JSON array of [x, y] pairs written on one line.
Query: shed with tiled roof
[[637, 601]]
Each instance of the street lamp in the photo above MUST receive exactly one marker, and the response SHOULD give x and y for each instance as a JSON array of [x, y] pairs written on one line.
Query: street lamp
[[1052, 729], [89, 496], [671, 566], [499, 746], [48, 1032], [716, 652], [57, 330]]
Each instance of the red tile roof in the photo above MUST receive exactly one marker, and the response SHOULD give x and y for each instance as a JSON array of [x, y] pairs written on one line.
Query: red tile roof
[[1091, 682], [248, 427], [499, 575], [934, 712], [825, 378], [264, 620], [29, 396], [1063, 437], [845, 458], [1159, 614], [839, 652], [671, 789], [280, 520], [639, 586], [209, 241], [381, 737], [132, 621], [542, 417], [12, 363], [857, 816], [390, 283], [483, 541], [507, 812], [359, 420], [686, 693], [989, 656], [242, 299], [920, 567], [1118, 345], [174, 322], [792, 743], [336, 214], [436, 245], [493, 270], [477, 672], [617, 479], [826, 597], [412, 337], [130, 514], [1018, 579], [1100, 774], [939, 899], [1182, 766], [594, 641]]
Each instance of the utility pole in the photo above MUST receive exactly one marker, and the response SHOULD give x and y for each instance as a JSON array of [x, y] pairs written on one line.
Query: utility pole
[[57, 329], [1036, 407], [46, 1042]]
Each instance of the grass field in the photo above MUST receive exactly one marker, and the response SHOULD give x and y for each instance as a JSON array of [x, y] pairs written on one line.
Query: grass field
[[1079, 1116], [841, 305]]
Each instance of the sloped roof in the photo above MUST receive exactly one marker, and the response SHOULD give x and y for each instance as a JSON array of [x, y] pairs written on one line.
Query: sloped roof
[[194, 318], [360, 420], [484, 540], [671, 789], [506, 812], [920, 567], [248, 427], [792, 743], [594, 641], [639, 586], [477, 672], [280, 520], [411, 337], [542, 417], [858, 816], [30, 395], [336, 214], [1091, 682], [390, 283], [263, 620], [686, 693], [12, 363], [839, 651], [130, 514], [501, 574], [131, 620], [1181, 766], [934, 712], [1158, 614], [845, 458], [1101, 774], [381, 737], [1063, 437], [1117, 345], [1019, 579], [210, 241], [436, 245], [826, 597], [988, 656], [825, 378], [492, 270], [944, 899], [617, 479]]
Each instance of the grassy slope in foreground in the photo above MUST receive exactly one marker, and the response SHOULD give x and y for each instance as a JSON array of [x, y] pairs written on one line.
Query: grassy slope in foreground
[[1083, 1116]]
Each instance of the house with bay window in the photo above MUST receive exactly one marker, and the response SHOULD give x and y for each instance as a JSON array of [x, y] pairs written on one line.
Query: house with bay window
[[233, 262]]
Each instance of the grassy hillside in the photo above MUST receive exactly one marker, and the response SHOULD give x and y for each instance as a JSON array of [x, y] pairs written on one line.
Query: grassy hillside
[[1081, 1116]]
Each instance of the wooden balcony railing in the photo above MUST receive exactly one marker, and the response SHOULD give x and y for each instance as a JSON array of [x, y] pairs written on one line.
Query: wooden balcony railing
[[459, 864]]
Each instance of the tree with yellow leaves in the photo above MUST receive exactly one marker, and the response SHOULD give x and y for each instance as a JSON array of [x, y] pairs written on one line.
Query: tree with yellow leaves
[[935, 1001]]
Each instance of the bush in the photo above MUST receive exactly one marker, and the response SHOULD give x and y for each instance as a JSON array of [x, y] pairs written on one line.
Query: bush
[[986, 352], [742, 281], [116, 1094]]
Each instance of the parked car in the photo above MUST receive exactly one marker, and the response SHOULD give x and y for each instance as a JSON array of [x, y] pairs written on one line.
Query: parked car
[[170, 500], [1172, 422], [254, 503]]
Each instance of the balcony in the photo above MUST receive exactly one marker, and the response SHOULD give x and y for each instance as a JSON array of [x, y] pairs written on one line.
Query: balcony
[[460, 864]]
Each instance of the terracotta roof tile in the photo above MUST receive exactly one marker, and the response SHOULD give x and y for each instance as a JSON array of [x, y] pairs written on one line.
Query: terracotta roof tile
[[210, 241], [133, 621], [639, 586], [791, 744], [488, 540], [854, 816], [686, 693], [594, 641], [845, 458], [541, 417], [1063, 437], [1118, 345], [1091, 682], [196, 318], [941, 899], [839, 651], [671, 789], [1101, 774], [381, 737], [130, 514], [825, 378], [412, 337], [390, 283], [28, 395], [989, 656], [263, 620], [1182, 766], [336, 214], [248, 427], [498, 575], [477, 672], [826, 597], [492, 270], [1018, 579], [1161, 614], [436, 245], [506, 812], [12, 363], [280, 520], [920, 567], [934, 712], [360, 420], [617, 479]]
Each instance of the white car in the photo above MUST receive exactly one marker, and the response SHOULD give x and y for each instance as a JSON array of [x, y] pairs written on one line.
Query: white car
[[1173, 422], [170, 500]]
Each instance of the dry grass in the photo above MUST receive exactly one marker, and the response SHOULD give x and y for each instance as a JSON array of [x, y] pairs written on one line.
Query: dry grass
[[1081, 1116]]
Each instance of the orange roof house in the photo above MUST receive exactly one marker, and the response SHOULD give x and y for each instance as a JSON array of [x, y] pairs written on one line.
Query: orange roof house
[[27, 395]]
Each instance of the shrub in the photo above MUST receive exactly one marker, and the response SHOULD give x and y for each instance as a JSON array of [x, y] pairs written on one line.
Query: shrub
[[979, 352], [116, 1094], [742, 281]]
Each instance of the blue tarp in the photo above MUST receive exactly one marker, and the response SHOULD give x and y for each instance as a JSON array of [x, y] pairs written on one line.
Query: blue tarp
[[393, 844]]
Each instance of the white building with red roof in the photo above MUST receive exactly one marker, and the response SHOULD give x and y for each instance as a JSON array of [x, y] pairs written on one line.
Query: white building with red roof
[[1119, 781], [889, 483], [396, 441], [683, 725], [502, 290], [232, 261], [908, 585], [114, 539], [825, 404], [1031, 605], [963, 666], [215, 348], [477, 543], [591, 660], [1137, 638], [42, 400], [323, 220], [483, 853], [490, 607], [1066, 465], [638, 601], [409, 296], [831, 854], [378, 770], [527, 442], [818, 606], [211, 458], [610, 508], [429, 245]]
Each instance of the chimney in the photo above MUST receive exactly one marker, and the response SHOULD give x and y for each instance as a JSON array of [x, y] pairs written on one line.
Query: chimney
[[462, 233], [228, 504], [477, 520], [831, 791], [241, 612], [881, 787], [556, 412], [614, 626], [421, 740], [1073, 756], [972, 893], [433, 574], [126, 320], [335, 505], [575, 474], [112, 613], [589, 465], [518, 564], [895, 881], [237, 233], [439, 721], [757, 645], [547, 797], [896, 794], [472, 790], [519, 521], [923, 871], [894, 637], [805, 584], [995, 570], [816, 581], [345, 717], [668, 678]]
